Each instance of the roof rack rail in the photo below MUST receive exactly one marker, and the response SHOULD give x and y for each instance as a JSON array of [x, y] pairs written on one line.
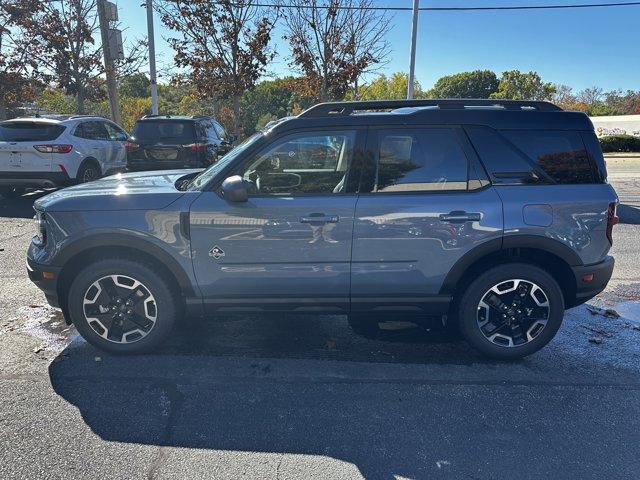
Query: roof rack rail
[[347, 108], [155, 115]]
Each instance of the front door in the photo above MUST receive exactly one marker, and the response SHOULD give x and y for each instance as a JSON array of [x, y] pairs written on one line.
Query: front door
[[289, 246], [424, 204]]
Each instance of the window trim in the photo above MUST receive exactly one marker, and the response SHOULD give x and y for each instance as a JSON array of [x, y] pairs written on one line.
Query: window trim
[[358, 146], [373, 155]]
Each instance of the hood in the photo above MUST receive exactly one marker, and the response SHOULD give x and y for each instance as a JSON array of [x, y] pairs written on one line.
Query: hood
[[124, 191]]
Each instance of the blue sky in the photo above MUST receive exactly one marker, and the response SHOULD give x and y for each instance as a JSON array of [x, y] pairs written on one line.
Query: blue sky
[[576, 47]]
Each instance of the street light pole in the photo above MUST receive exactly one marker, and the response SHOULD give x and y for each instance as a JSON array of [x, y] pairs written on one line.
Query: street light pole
[[412, 61], [152, 59]]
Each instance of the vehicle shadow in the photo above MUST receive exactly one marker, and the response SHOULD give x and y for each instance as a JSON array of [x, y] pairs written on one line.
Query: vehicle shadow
[[629, 214], [20, 207], [284, 384], [406, 405]]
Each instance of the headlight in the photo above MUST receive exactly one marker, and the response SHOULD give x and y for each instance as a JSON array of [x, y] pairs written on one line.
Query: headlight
[[40, 226]]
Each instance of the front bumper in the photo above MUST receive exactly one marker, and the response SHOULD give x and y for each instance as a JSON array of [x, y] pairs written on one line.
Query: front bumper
[[587, 289], [46, 279], [34, 179]]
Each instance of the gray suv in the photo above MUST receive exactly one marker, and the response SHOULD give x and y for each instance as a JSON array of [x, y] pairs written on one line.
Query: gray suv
[[493, 215]]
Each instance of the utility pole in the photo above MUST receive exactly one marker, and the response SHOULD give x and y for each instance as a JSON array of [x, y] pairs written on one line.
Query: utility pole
[[412, 61], [152, 59], [106, 12]]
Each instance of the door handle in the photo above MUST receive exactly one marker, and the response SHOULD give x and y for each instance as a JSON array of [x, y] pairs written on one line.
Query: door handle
[[460, 217], [319, 218]]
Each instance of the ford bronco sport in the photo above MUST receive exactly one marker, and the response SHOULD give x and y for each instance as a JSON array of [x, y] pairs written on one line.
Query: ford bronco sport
[[495, 215]]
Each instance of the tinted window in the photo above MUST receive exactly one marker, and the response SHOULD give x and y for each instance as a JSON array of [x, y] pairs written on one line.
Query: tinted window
[[560, 154], [210, 132], [92, 131], [302, 163], [115, 133], [29, 131], [504, 163], [420, 160], [172, 132]]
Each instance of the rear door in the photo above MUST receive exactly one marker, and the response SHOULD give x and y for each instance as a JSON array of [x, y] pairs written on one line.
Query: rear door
[[98, 145], [18, 142], [167, 142], [424, 203]]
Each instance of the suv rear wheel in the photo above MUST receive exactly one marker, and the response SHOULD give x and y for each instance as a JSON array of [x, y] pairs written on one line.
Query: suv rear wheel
[[122, 306], [511, 311], [88, 172]]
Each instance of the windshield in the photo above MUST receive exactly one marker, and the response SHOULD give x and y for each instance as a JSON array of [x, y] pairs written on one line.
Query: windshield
[[29, 131], [165, 132], [217, 167]]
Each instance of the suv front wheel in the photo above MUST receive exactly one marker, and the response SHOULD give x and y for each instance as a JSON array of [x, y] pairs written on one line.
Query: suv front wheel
[[122, 306], [511, 311]]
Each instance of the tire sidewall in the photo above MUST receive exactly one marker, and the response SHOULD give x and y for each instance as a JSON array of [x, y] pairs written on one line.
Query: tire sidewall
[[165, 300], [467, 309], [88, 165]]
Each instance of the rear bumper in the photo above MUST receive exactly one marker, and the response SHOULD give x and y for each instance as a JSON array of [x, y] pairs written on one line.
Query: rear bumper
[[169, 165], [48, 285], [34, 179], [587, 289]]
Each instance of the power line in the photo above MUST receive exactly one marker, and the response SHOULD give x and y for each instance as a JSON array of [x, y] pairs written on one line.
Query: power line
[[450, 9]]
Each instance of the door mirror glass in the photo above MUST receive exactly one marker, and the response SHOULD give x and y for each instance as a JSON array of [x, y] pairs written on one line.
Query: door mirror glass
[[235, 189]]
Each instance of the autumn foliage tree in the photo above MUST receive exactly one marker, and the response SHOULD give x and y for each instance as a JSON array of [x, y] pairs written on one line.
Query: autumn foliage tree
[[222, 45], [335, 42], [18, 68], [67, 31]]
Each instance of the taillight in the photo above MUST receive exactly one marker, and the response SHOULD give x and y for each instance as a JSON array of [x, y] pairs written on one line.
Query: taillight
[[131, 146], [197, 147], [53, 148], [612, 219]]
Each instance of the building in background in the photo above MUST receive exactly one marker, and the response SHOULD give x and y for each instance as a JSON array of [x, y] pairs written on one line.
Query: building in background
[[617, 125]]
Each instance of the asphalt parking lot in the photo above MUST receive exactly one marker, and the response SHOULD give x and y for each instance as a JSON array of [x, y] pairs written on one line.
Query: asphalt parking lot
[[301, 397]]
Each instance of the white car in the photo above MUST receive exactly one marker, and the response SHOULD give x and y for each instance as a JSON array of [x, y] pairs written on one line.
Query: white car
[[58, 151]]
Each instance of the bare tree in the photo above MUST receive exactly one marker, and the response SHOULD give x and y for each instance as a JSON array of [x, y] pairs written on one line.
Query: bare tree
[[223, 45], [71, 54], [18, 69], [335, 42], [591, 95]]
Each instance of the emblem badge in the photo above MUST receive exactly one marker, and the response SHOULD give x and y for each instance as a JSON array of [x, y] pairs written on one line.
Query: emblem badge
[[216, 252]]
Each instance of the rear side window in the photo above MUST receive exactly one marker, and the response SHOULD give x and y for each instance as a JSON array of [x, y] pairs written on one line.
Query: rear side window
[[92, 131], [29, 131], [429, 159], [533, 156], [560, 154], [171, 132]]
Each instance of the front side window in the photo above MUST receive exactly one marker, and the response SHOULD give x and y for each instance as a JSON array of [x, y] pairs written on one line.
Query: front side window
[[302, 163], [429, 159]]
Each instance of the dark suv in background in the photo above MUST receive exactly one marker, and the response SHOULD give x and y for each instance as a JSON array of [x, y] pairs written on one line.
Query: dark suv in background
[[493, 215], [166, 142]]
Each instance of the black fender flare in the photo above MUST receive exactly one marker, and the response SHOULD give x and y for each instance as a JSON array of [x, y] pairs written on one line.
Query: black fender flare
[[497, 245], [144, 243]]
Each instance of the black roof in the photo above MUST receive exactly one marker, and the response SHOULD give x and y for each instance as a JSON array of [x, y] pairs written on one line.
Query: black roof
[[177, 117], [499, 114]]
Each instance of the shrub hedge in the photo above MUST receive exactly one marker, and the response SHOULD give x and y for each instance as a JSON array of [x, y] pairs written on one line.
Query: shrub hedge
[[620, 143]]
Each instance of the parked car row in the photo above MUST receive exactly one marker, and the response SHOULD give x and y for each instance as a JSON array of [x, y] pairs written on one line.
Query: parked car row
[[62, 150]]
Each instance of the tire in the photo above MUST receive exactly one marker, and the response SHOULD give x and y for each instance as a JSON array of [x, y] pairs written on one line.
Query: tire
[[96, 298], [11, 192], [88, 172], [487, 325]]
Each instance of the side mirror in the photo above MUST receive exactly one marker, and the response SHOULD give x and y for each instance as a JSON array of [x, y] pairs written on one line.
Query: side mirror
[[235, 189]]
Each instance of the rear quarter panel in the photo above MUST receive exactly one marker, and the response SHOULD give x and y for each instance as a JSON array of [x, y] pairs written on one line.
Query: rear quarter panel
[[575, 215]]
